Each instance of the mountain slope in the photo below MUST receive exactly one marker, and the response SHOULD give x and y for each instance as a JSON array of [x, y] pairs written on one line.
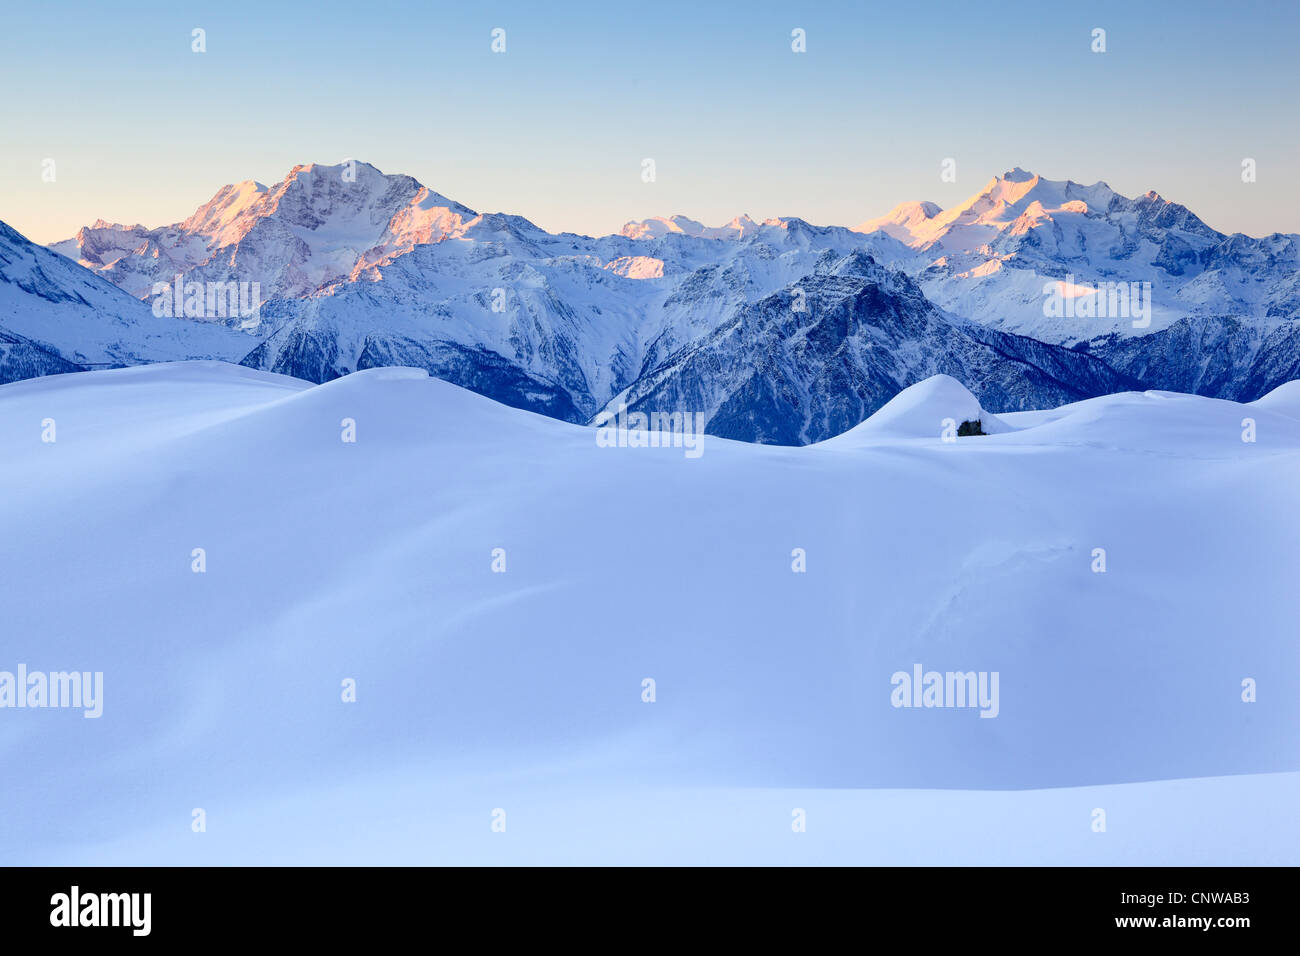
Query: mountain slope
[[815, 359], [999, 256], [316, 226], [1217, 356], [566, 319], [56, 316]]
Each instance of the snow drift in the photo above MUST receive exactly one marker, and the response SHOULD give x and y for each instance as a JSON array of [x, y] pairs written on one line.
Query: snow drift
[[500, 588]]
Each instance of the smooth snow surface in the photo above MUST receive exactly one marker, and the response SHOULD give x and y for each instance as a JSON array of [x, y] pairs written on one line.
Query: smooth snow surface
[[522, 690]]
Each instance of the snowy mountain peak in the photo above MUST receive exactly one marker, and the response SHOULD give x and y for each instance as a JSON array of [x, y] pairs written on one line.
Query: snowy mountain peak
[[56, 316], [1014, 202], [991, 257], [221, 217], [103, 224], [318, 225], [741, 227], [903, 221], [999, 192]]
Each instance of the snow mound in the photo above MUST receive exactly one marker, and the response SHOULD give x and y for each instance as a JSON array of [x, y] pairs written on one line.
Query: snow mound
[[1285, 400], [920, 411], [444, 555]]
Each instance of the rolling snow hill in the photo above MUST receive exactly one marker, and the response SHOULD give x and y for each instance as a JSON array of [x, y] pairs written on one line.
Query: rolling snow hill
[[522, 689]]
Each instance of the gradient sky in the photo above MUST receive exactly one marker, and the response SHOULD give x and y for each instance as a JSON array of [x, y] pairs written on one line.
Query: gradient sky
[[555, 129]]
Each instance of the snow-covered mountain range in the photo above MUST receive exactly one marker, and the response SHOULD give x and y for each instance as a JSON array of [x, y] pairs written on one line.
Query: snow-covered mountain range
[[990, 257], [781, 331], [58, 317], [809, 362]]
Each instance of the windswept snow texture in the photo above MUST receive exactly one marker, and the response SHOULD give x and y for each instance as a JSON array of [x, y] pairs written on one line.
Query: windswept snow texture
[[373, 561]]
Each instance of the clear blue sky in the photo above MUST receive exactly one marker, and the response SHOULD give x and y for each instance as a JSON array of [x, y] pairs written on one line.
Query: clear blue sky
[[143, 130]]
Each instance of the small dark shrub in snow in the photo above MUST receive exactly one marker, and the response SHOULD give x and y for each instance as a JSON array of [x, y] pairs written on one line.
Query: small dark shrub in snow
[[970, 428]]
